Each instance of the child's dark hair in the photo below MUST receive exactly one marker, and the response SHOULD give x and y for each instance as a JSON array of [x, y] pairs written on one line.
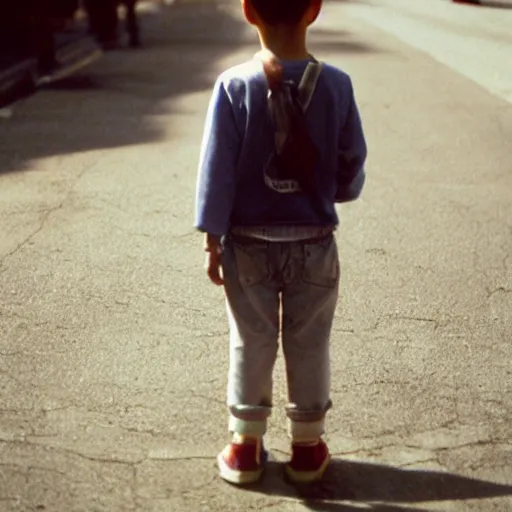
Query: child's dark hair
[[276, 12]]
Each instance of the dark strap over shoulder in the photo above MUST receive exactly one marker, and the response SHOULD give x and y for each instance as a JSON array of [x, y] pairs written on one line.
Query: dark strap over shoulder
[[307, 86]]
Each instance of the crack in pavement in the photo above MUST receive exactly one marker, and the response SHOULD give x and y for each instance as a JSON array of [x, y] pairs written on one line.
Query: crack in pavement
[[45, 217], [435, 452], [500, 289], [58, 449], [390, 317], [18, 468], [43, 221], [373, 450], [151, 432], [441, 449], [420, 461], [108, 460], [188, 458]]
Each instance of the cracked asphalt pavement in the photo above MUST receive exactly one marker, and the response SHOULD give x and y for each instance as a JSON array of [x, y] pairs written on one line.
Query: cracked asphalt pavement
[[113, 345]]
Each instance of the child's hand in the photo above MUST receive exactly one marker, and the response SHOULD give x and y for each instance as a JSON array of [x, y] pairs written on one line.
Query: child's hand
[[213, 268], [213, 259]]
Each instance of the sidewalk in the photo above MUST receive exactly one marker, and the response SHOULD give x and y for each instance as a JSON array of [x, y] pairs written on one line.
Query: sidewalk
[[506, 4], [113, 346], [76, 49]]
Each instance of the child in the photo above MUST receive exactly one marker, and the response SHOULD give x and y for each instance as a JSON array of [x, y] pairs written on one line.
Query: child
[[273, 250]]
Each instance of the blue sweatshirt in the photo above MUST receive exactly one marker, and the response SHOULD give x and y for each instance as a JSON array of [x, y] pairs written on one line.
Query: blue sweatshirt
[[239, 139]]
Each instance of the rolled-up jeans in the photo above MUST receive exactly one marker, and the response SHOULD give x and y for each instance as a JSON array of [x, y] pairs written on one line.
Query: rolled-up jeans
[[287, 288]]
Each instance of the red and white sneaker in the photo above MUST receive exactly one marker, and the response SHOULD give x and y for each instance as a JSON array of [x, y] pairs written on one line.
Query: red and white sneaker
[[242, 463], [308, 462]]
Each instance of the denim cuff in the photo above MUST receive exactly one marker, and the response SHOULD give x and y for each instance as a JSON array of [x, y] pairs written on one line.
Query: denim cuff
[[307, 415]]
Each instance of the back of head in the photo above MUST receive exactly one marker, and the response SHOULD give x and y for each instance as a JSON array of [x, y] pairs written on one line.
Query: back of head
[[277, 12]]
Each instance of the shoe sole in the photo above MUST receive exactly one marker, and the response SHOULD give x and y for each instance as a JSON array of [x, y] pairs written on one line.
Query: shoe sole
[[307, 477], [237, 477]]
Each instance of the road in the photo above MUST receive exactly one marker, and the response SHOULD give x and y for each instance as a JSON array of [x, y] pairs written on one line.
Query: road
[[475, 41], [113, 346]]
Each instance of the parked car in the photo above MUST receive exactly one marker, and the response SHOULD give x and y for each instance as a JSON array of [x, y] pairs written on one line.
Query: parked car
[[41, 42]]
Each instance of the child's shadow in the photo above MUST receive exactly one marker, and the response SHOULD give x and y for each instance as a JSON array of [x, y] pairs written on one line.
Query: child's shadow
[[382, 488]]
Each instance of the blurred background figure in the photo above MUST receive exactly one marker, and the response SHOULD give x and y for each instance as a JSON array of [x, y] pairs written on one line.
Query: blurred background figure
[[104, 21], [132, 24]]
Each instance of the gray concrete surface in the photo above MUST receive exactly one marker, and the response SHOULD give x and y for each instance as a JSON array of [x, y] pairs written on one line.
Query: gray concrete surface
[[474, 40], [113, 349]]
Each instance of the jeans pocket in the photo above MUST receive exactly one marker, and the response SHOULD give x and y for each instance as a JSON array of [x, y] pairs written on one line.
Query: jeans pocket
[[321, 263], [252, 263]]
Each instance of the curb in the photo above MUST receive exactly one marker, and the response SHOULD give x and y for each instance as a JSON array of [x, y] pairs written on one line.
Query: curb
[[22, 77], [503, 4], [72, 57], [18, 80]]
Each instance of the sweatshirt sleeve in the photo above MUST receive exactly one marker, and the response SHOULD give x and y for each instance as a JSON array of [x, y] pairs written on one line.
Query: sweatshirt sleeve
[[351, 154], [216, 181]]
